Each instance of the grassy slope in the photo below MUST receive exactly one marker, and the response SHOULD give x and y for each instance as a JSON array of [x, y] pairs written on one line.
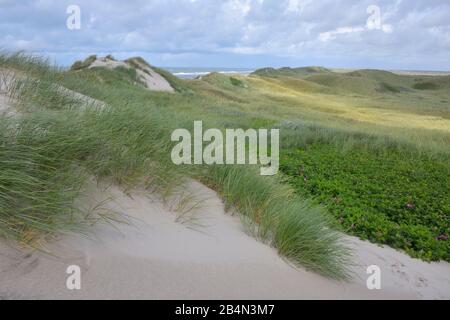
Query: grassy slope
[[384, 174], [57, 143]]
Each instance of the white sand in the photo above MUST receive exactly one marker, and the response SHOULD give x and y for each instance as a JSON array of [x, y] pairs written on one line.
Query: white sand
[[157, 258], [149, 78], [152, 79]]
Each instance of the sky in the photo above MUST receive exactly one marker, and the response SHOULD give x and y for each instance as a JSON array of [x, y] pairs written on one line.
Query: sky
[[383, 34]]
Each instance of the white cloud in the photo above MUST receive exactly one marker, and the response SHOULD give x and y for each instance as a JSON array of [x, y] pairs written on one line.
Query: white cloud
[[300, 29], [331, 35], [297, 5], [387, 28]]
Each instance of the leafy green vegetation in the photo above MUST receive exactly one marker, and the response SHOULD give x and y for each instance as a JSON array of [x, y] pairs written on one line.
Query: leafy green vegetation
[[236, 82], [353, 185]]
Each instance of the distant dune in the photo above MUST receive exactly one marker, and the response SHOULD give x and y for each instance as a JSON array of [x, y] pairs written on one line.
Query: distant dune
[[151, 79]]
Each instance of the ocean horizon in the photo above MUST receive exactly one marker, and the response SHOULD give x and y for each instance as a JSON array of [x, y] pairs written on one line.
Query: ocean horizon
[[193, 72]]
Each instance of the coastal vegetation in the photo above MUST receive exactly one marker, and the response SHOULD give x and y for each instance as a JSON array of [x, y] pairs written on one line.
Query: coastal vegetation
[[364, 152]]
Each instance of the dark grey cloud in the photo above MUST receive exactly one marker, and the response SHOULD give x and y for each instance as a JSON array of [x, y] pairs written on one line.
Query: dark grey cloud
[[413, 34]]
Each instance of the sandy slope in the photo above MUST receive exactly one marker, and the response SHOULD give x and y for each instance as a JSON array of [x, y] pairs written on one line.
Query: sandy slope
[[157, 258], [7, 78], [150, 78]]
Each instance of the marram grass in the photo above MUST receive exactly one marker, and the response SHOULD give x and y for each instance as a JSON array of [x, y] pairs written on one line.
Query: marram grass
[[48, 152], [57, 142]]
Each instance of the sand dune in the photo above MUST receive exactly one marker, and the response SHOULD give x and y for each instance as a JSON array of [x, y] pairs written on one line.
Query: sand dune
[[150, 78], [211, 257]]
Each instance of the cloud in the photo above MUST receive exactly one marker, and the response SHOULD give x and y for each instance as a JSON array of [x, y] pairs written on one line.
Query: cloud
[[331, 35], [297, 5], [410, 34]]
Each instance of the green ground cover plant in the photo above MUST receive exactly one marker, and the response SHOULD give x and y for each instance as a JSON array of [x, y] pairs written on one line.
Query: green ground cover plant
[[353, 185]]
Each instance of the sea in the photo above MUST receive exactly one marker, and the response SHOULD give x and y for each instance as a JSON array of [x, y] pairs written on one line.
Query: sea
[[192, 73]]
